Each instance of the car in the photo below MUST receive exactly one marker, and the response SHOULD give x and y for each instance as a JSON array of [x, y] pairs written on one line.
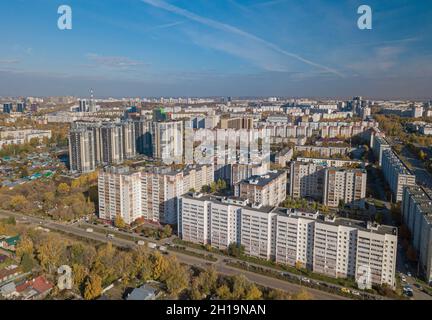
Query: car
[[304, 279], [356, 293], [403, 279], [140, 242], [409, 274], [110, 236], [89, 230]]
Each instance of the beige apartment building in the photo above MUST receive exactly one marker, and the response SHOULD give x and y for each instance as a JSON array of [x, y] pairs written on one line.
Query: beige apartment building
[[344, 185], [119, 194], [267, 190]]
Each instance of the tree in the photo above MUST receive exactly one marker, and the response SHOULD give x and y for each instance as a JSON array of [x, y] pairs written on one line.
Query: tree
[[224, 292], [63, 188], [79, 275], [235, 250], [24, 246], [159, 264], [50, 253], [277, 294], [204, 285], [302, 295], [175, 277], [167, 231], [298, 265], [18, 202], [253, 293], [119, 222], [27, 262], [92, 287]]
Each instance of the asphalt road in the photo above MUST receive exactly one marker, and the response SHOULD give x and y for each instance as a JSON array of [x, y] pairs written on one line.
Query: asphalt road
[[220, 266]]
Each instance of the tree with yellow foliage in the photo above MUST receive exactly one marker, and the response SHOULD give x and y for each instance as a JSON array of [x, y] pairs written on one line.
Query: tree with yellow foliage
[[92, 287]]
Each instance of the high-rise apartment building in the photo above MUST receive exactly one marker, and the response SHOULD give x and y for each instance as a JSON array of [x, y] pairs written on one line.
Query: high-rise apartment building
[[161, 187], [167, 141], [107, 144], [82, 156], [306, 180], [119, 194], [342, 185]]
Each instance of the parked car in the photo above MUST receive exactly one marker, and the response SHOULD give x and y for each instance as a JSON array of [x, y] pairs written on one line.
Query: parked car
[[356, 293], [110, 236], [140, 242], [403, 279], [409, 274], [89, 230]]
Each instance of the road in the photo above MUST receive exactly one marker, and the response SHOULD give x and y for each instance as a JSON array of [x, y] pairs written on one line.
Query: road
[[220, 266]]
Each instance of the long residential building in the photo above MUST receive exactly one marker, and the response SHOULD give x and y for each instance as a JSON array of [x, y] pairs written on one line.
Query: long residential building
[[417, 216], [379, 144], [156, 196], [268, 189], [396, 174], [336, 247]]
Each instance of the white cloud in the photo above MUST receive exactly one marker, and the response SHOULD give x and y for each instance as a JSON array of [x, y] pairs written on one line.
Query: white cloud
[[235, 31]]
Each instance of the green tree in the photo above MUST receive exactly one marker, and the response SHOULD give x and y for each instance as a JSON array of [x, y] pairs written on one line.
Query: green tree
[[235, 250], [167, 231], [27, 262]]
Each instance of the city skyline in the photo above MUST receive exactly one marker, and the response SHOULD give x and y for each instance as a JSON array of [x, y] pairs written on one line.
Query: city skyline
[[224, 48]]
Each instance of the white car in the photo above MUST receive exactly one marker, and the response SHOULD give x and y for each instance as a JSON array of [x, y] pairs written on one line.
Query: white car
[[304, 279], [409, 274], [403, 279]]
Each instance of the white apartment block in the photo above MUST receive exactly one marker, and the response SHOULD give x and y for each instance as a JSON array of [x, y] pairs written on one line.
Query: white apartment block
[[336, 247], [119, 194], [346, 185], [417, 216], [267, 190], [396, 174], [167, 140]]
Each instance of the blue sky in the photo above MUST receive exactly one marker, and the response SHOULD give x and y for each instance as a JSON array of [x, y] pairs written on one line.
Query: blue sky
[[217, 48]]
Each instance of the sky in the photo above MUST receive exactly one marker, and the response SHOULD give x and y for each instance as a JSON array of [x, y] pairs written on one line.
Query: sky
[[151, 48]]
